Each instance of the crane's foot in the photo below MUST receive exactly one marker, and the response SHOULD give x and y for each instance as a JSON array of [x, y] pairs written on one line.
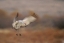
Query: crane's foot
[[18, 35]]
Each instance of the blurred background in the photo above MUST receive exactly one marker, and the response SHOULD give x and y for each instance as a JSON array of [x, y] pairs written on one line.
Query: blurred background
[[49, 28]]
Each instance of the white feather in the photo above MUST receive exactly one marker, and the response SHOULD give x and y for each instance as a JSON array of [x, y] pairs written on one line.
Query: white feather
[[26, 21]]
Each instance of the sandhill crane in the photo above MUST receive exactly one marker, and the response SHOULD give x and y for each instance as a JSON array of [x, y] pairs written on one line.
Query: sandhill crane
[[17, 24]]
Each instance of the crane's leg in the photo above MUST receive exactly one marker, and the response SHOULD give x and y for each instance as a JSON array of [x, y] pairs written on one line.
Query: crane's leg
[[18, 32]]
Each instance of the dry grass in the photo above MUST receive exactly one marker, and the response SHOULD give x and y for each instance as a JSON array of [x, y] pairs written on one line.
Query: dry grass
[[48, 35], [35, 33]]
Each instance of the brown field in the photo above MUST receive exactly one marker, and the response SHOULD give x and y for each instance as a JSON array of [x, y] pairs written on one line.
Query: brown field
[[48, 29], [47, 35]]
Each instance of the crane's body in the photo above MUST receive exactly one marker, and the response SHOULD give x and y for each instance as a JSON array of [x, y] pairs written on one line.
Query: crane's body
[[17, 24], [22, 23]]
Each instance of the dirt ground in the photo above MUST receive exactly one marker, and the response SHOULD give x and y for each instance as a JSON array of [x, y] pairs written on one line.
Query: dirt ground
[[48, 35]]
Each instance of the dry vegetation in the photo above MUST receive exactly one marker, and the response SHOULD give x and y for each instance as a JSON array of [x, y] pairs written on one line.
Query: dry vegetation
[[49, 29], [47, 35]]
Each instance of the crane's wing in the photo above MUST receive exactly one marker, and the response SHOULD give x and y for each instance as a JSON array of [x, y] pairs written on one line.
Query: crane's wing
[[30, 19], [15, 17], [31, 13]]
